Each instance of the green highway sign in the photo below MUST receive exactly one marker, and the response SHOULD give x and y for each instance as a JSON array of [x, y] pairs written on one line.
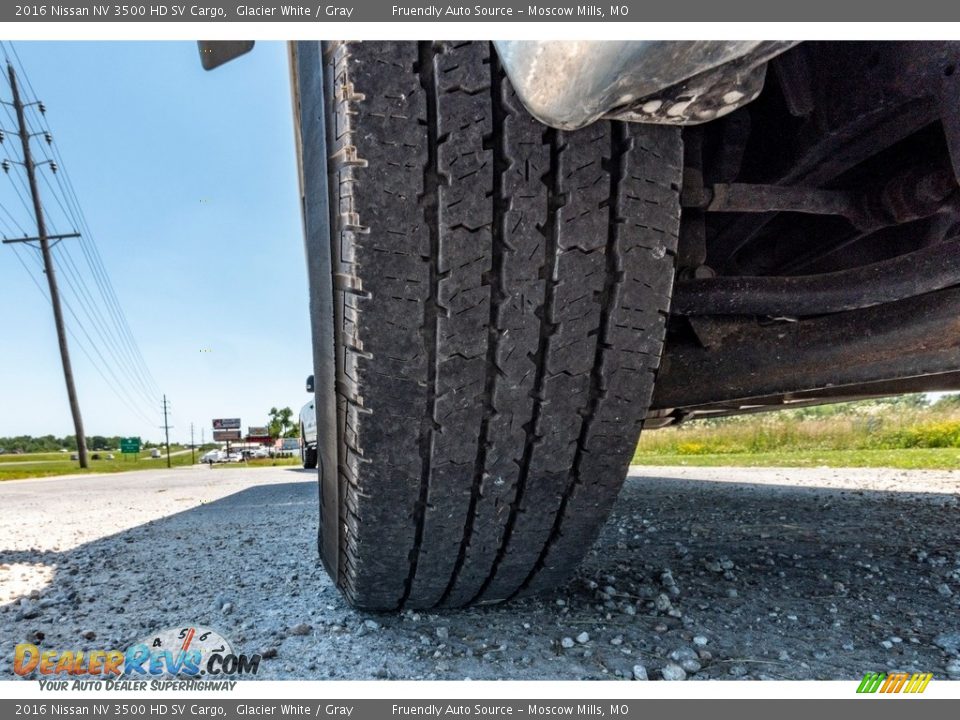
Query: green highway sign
[[130, 445]]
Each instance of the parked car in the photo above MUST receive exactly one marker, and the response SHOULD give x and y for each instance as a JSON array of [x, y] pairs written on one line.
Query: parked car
[[213, 456], [155, 453], [308, 430]]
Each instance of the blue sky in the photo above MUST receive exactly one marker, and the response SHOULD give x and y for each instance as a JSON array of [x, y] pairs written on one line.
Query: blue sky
[[188, 182]]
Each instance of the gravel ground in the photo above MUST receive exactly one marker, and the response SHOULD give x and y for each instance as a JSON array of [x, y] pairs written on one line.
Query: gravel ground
[[701, 573]]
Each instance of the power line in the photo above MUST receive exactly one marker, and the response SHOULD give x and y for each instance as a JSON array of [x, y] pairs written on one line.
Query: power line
[[126, 366], [86, 300], [98, 269], [30, 168], [96, 326], [89, 246], [13, 220], [95, 261], [122, 345], [53, 193], [79, 344], [96, 349], [13, 184], [166, 428], [126, 400]]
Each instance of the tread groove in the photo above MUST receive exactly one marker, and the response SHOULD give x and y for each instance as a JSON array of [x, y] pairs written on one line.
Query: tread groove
[[501, 163], [551, 232], [620, 145], [430, 201]]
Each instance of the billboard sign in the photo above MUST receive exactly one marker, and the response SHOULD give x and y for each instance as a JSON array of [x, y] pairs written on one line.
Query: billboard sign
[[223, 435], [130, 445], [226, 424], [256, 431]]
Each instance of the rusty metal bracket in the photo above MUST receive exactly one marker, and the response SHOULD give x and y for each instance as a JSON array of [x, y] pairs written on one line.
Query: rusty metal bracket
[[893, 342]]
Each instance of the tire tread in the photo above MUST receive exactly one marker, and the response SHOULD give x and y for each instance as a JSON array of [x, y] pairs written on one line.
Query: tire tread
[[501, 293]]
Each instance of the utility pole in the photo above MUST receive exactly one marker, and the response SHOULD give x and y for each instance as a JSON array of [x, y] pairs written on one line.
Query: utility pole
[[166, 428], [193, 451], [44, 241]]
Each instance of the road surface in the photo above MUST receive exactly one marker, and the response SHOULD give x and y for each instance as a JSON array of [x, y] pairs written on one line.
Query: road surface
[[701, 573]]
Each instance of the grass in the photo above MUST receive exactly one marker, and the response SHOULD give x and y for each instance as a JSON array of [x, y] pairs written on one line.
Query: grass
[[905, 433], [49, 464], [900, 433], [906, 459], [264, 462], [30, 457]]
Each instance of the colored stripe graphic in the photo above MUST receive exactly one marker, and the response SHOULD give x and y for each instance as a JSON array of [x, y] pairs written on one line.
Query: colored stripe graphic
[[919, 682], [894, 683], [870, 682]]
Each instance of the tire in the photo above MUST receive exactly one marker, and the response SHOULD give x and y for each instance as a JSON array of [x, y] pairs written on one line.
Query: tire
[[500, 292], [309, 457], [308, 454]]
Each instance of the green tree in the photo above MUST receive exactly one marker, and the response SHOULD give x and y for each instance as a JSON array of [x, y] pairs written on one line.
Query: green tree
[[281, 423]]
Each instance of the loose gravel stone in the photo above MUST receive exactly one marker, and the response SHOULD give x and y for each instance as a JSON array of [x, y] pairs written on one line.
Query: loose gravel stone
[[671, 671], [686, 658], [28, 609], [583, 638], [567, 643], [948, 642], [640, 673], [662, 603]]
